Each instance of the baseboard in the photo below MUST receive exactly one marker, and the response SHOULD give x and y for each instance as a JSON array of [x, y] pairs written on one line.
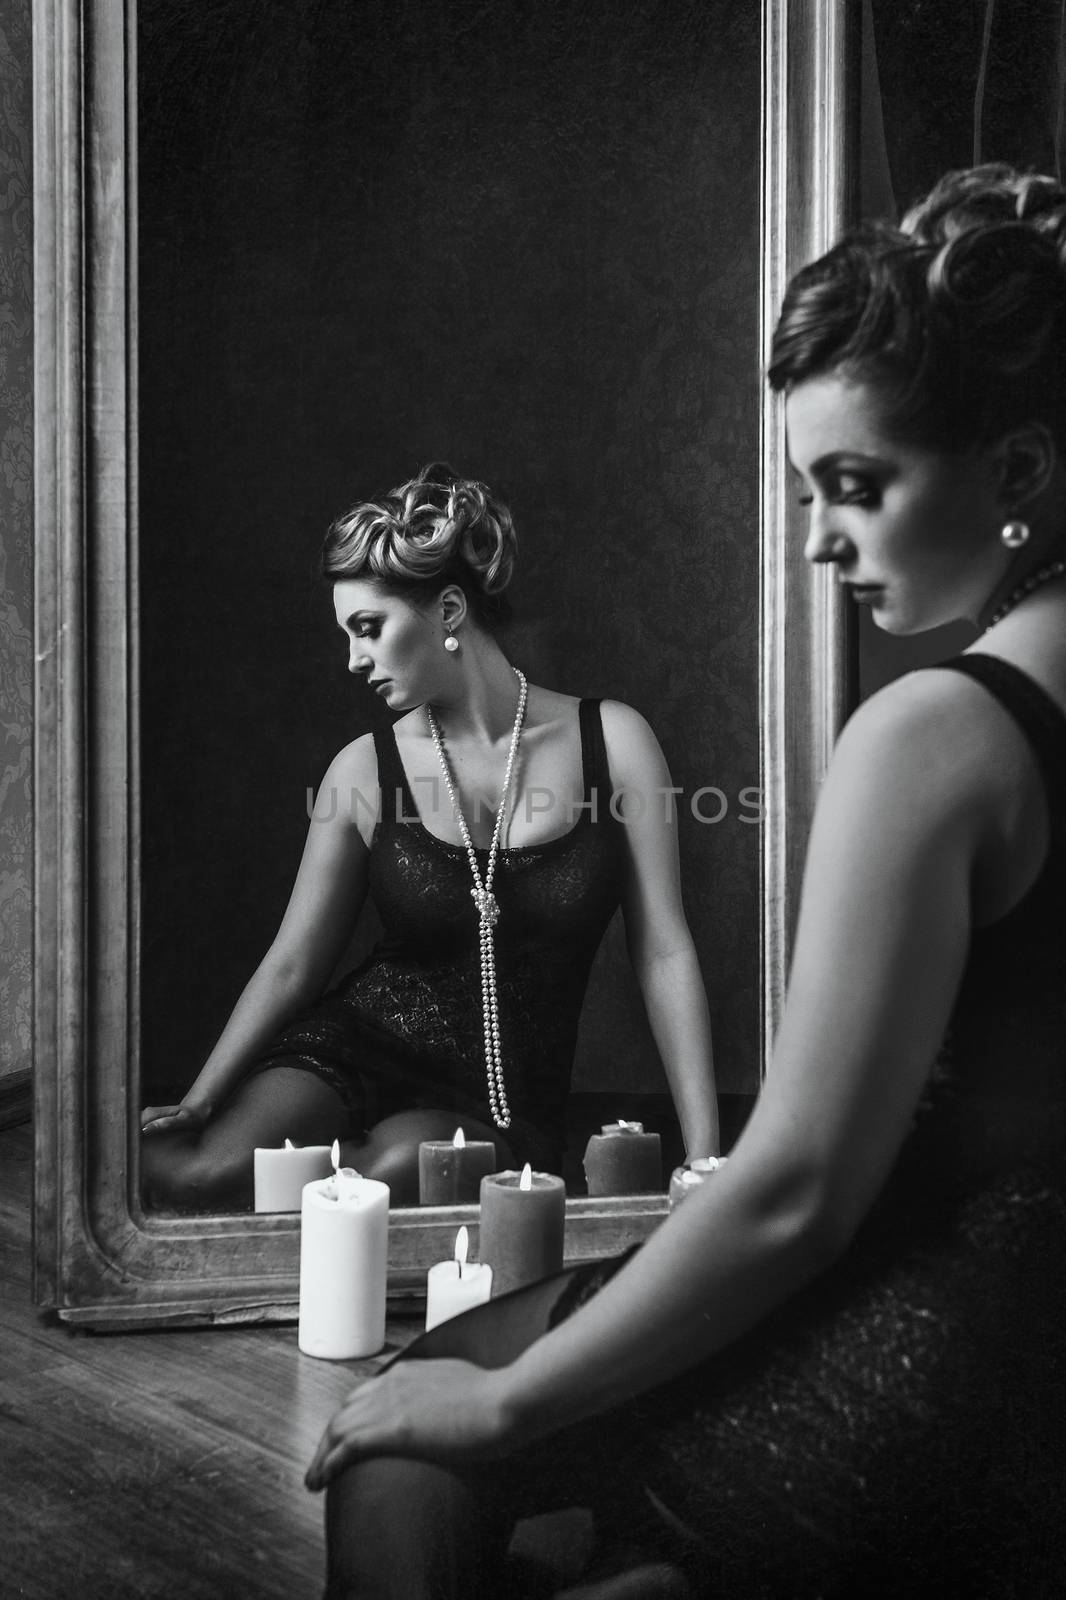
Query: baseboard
[[16, 1098]]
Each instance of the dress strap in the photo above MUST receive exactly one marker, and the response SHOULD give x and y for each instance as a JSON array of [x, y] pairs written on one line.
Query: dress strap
[[595, 773], [1032, 708], [397, 801]]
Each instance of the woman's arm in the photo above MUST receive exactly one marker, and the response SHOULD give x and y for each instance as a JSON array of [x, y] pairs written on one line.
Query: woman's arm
[[657, 933], [880, 947], [326, 899], [911, 808]]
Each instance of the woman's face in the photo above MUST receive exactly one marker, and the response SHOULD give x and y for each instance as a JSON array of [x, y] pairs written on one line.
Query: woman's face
[[393, 644], [913, 533]]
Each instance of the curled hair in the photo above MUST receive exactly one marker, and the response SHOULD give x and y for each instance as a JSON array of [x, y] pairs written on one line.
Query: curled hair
[[434, 530], [957, 317]]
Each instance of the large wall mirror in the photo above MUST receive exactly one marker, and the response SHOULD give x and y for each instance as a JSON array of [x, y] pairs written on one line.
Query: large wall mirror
[[285, 254]]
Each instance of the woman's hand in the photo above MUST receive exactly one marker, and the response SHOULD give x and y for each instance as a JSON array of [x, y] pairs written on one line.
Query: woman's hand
[[173, 1119], [447, 1411]]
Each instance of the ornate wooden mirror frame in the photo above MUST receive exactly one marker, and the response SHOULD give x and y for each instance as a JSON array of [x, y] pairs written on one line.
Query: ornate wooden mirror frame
[[100, 1258]]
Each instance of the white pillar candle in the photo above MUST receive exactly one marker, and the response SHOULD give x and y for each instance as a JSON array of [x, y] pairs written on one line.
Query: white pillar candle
[[344, 1233], [455, 1286], [280, 1175]]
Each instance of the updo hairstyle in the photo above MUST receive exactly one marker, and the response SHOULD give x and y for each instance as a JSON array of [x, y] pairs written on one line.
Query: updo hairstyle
[[437, 529], [957, 317]]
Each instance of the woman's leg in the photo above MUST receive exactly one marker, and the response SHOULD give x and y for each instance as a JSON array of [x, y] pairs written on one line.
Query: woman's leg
[[213, 1169], [422, 1532], [410, 1530], [389, 1151]]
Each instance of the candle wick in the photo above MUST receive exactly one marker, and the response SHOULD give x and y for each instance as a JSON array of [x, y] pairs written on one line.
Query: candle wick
[[459, 1264]]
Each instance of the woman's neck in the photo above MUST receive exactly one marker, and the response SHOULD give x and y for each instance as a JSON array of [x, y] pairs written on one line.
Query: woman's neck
[[1033, 568], [481, 697]]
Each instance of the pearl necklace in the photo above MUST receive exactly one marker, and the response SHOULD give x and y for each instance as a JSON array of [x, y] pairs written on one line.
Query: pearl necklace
[[485, 900], [1045, 574]]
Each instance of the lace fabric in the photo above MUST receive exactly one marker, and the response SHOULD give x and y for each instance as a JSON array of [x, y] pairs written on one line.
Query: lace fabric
[[405, 1028]]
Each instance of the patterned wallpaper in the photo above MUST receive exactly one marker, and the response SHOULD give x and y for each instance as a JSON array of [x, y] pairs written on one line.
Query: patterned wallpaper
[[16, 538], [521, 238]]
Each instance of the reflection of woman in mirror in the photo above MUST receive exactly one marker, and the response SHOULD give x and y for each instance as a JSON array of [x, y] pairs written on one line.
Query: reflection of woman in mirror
[[839, 1367], [497, 826]]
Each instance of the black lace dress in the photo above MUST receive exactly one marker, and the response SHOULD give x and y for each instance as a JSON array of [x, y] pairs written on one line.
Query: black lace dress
[[898, 1429], [405, 1029]]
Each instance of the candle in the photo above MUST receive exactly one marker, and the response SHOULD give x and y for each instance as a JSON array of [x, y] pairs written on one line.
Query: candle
[[280, 1175], [450, 1170], [344, 1230], [522, 1222], [455, 1286], [623, 1159], [694, 1173]]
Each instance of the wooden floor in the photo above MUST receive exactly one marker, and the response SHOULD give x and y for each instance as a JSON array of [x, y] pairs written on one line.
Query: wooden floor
[[147, 1465]]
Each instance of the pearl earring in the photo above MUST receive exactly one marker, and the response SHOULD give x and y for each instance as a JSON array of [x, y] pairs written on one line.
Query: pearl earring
[[1014, 535], [451, 642]]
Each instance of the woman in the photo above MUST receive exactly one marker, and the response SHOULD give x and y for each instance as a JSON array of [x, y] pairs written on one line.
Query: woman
[[489, 801], [838, 1369]]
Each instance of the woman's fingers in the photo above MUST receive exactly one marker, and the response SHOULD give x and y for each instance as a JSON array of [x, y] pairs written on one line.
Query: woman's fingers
[[444, 1410], [157, 1119], [154, 1117], [339, 1444]]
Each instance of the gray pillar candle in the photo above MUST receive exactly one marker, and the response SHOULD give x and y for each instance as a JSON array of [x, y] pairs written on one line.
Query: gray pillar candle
[[623, 1159], [450, 1170], [521, 1228]]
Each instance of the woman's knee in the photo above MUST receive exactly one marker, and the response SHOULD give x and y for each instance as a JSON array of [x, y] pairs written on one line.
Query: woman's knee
[[391, 1156], [390, 1150], [411, 1530], [186, 1174]]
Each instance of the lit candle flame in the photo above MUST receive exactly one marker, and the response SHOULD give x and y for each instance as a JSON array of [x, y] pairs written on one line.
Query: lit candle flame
[[526, 1180], [462, 1245], [460, 1139], [289, 1145], [335, 1154]]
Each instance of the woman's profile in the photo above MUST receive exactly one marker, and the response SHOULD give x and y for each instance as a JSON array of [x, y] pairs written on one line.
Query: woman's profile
[[839, 1368], [489, 826]]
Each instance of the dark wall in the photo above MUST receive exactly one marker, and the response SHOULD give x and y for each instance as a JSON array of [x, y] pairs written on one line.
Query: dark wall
[[960, 81], [16, 548], [523, 238]]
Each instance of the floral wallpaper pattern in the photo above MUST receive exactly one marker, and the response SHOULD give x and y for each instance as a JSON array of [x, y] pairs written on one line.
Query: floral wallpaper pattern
[[16, 539]]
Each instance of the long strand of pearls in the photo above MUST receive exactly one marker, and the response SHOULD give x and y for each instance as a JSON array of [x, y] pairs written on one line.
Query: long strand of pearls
[[485, 900]]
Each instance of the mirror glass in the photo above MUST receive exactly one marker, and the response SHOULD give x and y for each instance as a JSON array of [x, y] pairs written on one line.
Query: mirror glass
[[520, 239]]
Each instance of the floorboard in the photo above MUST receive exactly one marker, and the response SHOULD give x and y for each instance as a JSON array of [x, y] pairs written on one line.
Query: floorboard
[[154, 1465]]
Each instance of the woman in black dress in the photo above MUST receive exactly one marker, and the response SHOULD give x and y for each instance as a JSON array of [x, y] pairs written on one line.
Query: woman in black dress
[[839, 1368], [497, 826]]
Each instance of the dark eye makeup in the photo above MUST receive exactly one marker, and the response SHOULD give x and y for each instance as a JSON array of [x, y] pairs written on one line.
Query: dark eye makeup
[[847, 491]]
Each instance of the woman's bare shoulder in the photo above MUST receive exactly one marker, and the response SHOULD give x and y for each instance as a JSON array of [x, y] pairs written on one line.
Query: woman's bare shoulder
[[634, 752], [353, 770], [624, 722], [356, 757], [936, 730]]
